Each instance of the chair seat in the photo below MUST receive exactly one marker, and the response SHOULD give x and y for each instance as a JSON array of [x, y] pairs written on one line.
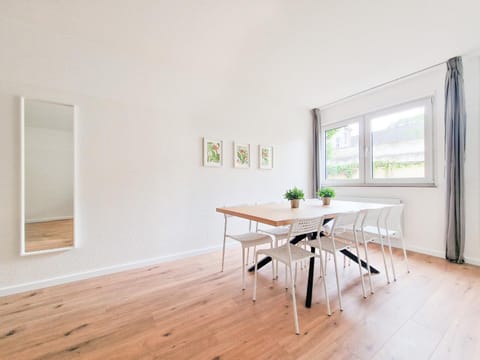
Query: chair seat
[[348, 236], [383, 232], [279, 232], [327, 244], [251, 238], [281, 253]]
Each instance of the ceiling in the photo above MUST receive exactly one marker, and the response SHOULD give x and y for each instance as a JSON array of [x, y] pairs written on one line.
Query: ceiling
[[310, 52]]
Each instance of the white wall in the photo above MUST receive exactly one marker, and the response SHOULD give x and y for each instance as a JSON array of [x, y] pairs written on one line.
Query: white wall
[[472, 161], [48, 174], [142, 192], [152, 78]]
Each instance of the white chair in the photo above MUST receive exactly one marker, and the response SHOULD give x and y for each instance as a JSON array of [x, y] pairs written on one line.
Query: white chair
[[290, 254], [279, 235], [370, 231], [343, 235], [390, 227], [247, 240]]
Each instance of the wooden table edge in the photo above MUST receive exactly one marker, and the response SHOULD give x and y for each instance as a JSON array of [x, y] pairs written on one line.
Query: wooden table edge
[[254, 218]]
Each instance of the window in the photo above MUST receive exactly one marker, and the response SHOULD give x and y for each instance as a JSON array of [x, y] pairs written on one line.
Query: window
[[390, 146], [342, 152]]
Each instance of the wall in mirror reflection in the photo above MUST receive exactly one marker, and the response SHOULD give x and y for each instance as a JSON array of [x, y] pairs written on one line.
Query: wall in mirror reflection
[[48, 176]]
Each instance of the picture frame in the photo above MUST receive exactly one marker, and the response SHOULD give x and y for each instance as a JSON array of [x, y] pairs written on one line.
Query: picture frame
[[241, 156], [265, 157], [212, 152]]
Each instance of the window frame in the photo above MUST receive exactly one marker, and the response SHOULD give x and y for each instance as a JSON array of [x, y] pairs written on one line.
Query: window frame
[[366, 146]]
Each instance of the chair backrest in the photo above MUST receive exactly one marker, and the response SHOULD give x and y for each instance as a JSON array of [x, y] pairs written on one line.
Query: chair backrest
[[374, 217], [301, 227], [393, 220], [305, 226], [347, 221]]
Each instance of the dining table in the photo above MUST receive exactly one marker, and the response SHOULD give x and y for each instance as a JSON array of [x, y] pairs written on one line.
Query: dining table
[[282, 214]]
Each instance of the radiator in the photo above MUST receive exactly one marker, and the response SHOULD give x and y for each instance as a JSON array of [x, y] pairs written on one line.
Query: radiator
[[368, 199]]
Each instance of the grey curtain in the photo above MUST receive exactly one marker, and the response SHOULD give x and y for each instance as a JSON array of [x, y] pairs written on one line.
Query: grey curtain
[[455, 130], [316, 150]]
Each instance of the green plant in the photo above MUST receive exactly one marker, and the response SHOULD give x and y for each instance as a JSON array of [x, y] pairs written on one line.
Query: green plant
[[294, 193], [326, 192]]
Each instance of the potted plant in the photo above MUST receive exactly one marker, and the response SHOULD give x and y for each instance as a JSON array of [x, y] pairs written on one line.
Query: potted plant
[[294, 195], [326, 194]]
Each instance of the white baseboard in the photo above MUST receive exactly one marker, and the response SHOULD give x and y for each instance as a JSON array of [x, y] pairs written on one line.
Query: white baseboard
[[15, 289], [55, 218], [436, 253], [10, 290], [472, 261]]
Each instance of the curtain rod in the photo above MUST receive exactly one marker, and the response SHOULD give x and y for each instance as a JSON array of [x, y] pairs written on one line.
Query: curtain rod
[[380, 85]]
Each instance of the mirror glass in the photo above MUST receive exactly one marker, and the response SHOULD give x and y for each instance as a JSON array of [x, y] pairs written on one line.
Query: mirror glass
[[48, 176]]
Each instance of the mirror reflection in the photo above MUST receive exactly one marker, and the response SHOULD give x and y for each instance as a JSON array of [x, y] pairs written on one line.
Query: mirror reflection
[[48, 176]]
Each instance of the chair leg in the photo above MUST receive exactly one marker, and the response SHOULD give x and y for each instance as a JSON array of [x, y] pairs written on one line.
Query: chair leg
[[276, 261], [320, 268], [360, 269], [248, 256], [404, 252], [223, 251], [339, 292], [382, 247], [325, 272], [295, 315], [254, 298], [243, 267], [295, 279], [303, 264], [324, 279], [273, 263], [365, 245], [389, 243]]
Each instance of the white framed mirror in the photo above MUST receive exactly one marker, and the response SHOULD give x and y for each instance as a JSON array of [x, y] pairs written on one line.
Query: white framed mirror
[[47, 176]]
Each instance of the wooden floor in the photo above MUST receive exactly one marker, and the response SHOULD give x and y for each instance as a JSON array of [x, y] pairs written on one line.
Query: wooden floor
[[189, 310], [48, 235]]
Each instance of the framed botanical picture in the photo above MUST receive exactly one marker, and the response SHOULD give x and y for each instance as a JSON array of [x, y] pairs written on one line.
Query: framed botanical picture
[[241, 155], [212, 152], [265, 156]]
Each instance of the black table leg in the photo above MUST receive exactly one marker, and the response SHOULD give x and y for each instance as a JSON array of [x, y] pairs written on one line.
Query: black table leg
[[261, 263], [311, 273], [354, 257]]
